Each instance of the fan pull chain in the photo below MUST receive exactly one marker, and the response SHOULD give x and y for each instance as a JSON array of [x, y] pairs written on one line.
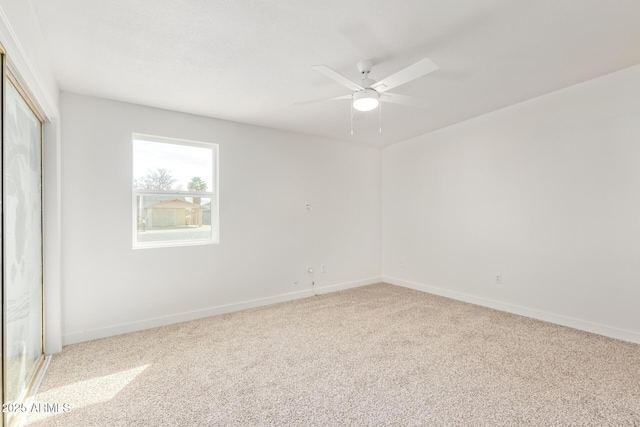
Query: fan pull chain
[[351, 118], [380, 117]]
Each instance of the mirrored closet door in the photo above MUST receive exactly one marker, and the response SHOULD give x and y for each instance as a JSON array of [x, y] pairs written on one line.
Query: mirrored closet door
[[22, 261]]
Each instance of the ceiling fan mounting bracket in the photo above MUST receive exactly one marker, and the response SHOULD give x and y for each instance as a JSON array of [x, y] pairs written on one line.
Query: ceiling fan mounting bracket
[[365, 67]]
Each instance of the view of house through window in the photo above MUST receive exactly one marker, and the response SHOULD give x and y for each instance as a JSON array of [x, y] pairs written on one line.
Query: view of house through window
[[175, 200]]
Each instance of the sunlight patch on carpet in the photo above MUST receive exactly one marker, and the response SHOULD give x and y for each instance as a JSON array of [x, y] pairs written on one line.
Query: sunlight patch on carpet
[[88, 392]]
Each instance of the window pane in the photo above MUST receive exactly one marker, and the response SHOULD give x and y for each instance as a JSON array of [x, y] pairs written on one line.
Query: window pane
[[167, 166], [173, 219], [175, 200]]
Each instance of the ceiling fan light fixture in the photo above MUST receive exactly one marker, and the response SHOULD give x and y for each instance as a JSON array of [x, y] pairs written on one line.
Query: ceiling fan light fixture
[[365, 100]]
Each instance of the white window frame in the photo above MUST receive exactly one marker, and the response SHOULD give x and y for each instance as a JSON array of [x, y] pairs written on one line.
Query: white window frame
[[212, 195]]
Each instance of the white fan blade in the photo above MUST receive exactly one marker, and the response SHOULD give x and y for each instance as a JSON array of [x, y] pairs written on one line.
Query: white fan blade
[[336, 76], [405, 100], [315, 101], [412, 72]]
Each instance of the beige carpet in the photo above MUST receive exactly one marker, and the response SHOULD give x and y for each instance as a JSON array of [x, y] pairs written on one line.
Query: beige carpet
[[376, 355]]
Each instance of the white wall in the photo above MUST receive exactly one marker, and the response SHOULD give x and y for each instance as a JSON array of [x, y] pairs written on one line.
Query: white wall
[[545, 193], [267, 236], [28, 60]]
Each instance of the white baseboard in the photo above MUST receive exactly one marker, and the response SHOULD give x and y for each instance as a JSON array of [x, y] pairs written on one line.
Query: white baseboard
[[348, 285], [558, 319], [123, 328]]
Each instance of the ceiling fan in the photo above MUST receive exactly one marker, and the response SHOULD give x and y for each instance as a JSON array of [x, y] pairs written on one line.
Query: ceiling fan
[[368, 94]]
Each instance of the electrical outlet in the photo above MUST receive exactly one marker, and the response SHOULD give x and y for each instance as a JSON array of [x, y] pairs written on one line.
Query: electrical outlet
[[498, 279]]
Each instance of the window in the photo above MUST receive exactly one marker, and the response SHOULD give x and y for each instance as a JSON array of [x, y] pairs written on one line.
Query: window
[[175, 192]]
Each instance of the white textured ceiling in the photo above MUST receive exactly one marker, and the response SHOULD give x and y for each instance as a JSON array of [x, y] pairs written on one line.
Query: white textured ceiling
[[249, 61]]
